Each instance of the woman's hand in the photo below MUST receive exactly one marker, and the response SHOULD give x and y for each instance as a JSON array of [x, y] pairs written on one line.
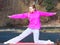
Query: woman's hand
[[9, 16], [55, 13]]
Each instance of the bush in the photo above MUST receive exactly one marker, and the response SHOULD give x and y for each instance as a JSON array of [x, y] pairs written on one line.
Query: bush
[[49, 5]]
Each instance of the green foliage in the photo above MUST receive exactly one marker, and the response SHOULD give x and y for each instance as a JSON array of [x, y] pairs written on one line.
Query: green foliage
[[48, 4], [49, 7]]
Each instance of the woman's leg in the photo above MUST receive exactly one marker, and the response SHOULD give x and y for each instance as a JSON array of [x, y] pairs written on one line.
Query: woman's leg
[[35, 35], [36, 38], [20, 37]]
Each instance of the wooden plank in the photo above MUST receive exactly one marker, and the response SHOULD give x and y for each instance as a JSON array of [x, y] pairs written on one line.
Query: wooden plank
[[30, 44], [3, 44], [26, 44]]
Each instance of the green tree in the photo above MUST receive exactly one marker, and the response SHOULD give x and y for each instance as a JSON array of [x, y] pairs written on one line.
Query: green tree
[[49, 4]]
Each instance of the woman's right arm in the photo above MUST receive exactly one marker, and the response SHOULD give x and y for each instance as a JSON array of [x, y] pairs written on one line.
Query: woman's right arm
[[18, 16]]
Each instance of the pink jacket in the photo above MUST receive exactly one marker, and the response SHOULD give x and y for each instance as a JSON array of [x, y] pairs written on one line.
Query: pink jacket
[[34, 18]]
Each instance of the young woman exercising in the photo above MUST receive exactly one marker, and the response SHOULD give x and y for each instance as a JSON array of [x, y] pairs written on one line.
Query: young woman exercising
[[34, 25]]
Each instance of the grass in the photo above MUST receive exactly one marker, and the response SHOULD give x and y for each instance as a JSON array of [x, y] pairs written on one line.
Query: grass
[[19, 30], [51, 31]]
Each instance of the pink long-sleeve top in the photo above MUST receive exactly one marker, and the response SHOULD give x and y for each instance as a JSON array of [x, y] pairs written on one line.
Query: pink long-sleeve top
[[34, 18]]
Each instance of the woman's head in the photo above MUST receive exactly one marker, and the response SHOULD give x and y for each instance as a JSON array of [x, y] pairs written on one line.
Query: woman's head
[[32, 8]]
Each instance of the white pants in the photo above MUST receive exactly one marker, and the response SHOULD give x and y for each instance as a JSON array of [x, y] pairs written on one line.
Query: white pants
[[25, 34]]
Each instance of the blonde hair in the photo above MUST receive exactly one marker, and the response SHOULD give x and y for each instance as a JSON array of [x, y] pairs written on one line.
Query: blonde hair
[[33, 5]]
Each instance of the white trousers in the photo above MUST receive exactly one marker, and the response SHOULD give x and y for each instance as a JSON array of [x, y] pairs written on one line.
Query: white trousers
[[25, 34]]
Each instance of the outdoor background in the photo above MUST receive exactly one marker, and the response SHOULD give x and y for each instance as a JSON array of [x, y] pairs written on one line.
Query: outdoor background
[[10, 28], [9, 7]]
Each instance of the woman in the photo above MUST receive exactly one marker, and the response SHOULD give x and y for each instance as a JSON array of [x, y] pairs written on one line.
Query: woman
[[34, 25]]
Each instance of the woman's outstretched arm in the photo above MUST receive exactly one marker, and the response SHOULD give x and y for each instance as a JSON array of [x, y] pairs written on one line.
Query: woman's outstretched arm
[[18, 16], [47, 13]]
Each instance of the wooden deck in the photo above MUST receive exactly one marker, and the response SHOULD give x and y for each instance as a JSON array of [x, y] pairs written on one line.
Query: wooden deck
[[30, 44], [26, 44]]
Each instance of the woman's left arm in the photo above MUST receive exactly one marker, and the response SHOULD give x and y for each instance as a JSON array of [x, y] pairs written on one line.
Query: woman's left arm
[[47, 13]]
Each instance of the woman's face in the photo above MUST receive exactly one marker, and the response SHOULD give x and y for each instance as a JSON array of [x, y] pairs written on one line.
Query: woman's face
[[31, 9]]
